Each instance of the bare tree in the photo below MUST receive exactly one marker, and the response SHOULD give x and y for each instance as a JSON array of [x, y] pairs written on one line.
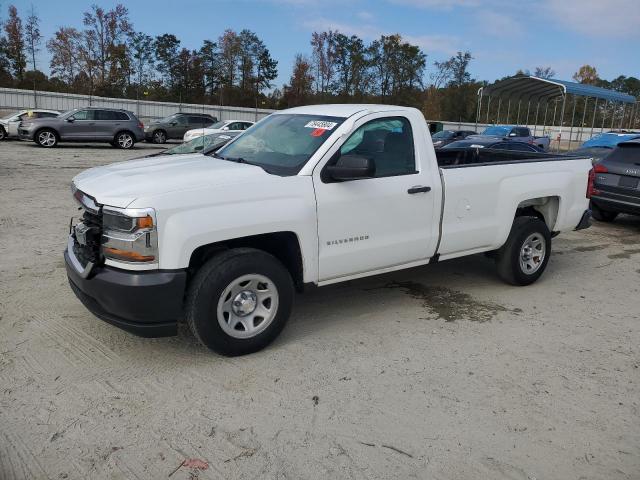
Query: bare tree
[[32, 36], [544, 72]]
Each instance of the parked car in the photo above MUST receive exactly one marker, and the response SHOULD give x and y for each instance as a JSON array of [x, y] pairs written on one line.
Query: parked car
[[445, 137], [601, 145], [9, 123], [595, 153], [118, 127], [204, 144], [311, 195], [175, 126], [518, 134], [218, 127], [616, 187], [496, 143]]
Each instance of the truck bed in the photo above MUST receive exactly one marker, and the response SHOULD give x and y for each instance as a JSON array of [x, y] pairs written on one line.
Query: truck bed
[[464, 157]]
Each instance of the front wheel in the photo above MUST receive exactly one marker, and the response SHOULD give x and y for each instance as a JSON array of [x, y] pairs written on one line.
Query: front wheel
[[46, 138], [3, 133], [124, 140], [524, 256], [239, 301]]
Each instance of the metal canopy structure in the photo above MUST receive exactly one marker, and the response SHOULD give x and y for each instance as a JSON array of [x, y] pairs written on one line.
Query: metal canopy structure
[[527, 93]]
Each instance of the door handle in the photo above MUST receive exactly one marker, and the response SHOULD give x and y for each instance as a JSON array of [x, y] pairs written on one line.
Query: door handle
[[418, 189]]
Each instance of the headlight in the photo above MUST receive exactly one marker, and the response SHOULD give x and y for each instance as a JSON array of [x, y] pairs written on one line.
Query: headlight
[[130, 235]]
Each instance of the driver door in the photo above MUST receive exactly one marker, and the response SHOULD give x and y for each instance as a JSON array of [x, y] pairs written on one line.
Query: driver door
[[381, 222]]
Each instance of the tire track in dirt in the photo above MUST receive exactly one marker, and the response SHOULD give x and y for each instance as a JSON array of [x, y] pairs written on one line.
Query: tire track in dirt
[[17, 462]]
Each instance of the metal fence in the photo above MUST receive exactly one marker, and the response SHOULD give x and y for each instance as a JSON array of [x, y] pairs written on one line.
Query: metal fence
[[11, 98]]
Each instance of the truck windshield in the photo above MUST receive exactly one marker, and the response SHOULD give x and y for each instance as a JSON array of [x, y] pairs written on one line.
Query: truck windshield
[[281, 143], [497, 131]]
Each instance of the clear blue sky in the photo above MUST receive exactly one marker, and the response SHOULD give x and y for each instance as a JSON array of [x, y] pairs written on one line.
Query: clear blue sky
[[503, 36]]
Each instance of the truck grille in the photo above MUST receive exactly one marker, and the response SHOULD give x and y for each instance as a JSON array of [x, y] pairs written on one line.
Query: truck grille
[[88, 250]]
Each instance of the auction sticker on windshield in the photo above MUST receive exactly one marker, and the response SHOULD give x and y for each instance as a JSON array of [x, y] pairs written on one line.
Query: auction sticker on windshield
[[319, 124]]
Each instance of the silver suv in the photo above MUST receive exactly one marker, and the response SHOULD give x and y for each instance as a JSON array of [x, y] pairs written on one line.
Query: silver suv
[[120, 128]]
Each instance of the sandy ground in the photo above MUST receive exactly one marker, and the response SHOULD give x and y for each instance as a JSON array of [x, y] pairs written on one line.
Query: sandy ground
[[441, 372]]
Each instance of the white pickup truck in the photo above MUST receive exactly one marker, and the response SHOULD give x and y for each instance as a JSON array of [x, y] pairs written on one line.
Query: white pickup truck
[[310, 195]]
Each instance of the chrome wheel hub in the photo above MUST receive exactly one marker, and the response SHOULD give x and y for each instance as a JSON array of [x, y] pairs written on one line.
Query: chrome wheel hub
[[532, 253], [244, 303], [125, 140], [247, 306], [47, 139]]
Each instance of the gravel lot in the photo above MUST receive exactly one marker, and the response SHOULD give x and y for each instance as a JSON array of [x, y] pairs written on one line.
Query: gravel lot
[[441, 372]]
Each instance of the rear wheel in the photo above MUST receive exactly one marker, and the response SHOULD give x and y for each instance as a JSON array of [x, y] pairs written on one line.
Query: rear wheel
[[524, 256], [46, 138], [159, 136], [602, 215], [124, 140], [239, 301]]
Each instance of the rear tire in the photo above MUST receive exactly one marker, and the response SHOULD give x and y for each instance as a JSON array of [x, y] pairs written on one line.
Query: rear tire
[[602, 215], [524, 256], [124, 140], [46, 138], [159, 137], [239, 301]]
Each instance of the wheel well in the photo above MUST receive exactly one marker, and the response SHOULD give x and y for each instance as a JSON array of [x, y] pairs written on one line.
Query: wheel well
[[46, 128], [160, 130], [282, 245], [545, 208], [124, 130]]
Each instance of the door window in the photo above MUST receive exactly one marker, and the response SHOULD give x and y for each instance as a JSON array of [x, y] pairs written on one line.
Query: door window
[[105, 115], [388, 142], [180, 120], [83, 115], [245, 125]]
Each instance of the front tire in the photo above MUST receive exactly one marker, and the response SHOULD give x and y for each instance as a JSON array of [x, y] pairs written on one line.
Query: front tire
[[3, 133], [602, 215], [46, 138], [124, 141], [524, 256], [239, 301]]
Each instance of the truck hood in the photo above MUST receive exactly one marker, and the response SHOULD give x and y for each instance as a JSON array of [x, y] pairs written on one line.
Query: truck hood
[[119, 184]]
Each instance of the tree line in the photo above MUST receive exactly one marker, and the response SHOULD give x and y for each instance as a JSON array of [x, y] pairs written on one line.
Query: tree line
[[107, 56]]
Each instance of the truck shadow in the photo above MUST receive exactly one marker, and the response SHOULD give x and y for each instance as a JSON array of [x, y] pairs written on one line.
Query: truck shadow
[[436, 292]]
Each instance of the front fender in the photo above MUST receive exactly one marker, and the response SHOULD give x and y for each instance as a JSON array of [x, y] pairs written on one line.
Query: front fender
[[188, 220]]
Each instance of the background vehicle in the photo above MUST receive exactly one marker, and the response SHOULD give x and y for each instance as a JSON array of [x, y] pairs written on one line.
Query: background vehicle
[[319, 194], [120, 128], [204, 144], [218, 127], [175, 126], [603, 144], [616, 188], [445, 137], [496, 143], [518, 134], [9, 124]]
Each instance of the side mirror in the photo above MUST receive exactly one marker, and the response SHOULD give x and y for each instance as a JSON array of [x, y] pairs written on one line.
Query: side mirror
[[352, 167], [71, 119], [225, 128], [513, 134]]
